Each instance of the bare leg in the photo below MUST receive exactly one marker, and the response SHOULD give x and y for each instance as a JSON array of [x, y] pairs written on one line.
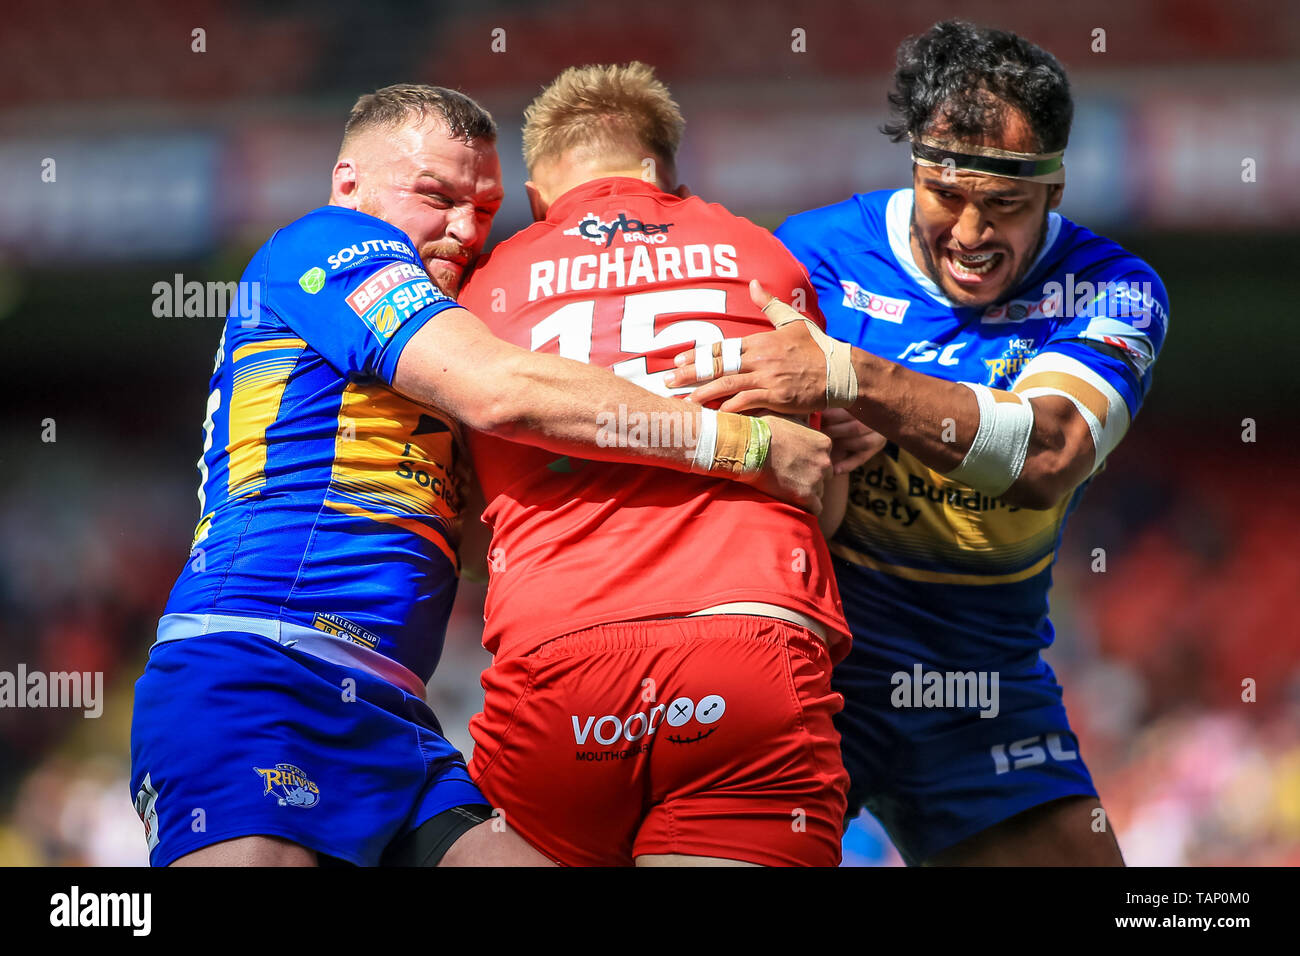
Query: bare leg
[[484, 846], [250, 851], [1059, 833]]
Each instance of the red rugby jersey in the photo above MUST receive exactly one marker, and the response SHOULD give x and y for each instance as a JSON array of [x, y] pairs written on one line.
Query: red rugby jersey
[[625, 275]]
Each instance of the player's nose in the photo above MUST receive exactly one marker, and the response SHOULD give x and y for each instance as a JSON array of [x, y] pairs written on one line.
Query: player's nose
[[971, 228], [463, 226]]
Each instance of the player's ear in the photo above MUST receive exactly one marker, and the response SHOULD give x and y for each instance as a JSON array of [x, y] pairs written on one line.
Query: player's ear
[[344, 188], [1054, 194], [535, 201]]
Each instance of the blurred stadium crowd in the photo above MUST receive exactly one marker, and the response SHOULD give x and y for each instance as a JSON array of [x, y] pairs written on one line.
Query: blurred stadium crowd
[[176, 164]]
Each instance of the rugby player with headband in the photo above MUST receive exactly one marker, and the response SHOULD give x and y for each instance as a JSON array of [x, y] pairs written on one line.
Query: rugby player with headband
[[1000, 351]]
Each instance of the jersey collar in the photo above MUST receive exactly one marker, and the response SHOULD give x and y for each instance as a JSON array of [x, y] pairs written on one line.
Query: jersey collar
[[898, 226], [564, 207]]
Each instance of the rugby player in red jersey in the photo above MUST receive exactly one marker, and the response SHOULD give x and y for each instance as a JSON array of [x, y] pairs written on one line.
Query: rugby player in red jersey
[[325, 557], [660, 692]]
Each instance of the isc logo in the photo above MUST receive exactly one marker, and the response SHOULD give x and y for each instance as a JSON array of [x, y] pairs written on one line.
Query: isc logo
[[1029, 753]]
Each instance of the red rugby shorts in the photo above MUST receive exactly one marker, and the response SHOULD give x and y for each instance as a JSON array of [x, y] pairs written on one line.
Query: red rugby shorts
[[705, 736]]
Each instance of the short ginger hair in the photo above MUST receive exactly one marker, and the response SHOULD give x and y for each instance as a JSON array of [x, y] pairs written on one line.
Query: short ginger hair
[[619, 112], [403, 103]]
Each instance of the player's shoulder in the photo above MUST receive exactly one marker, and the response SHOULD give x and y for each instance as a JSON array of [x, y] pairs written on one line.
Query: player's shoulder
[[1099, 276], [844, 226], [696, 211], [521, 243], [1088, 255], [339, 238]]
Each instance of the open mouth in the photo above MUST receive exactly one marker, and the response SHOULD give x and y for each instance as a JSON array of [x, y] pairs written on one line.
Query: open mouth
[[972, 268]]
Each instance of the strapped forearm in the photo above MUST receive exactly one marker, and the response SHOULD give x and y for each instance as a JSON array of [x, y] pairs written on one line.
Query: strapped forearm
[[569, 407], [933, 419], [1003, 443], [973, 434], [589, 412]]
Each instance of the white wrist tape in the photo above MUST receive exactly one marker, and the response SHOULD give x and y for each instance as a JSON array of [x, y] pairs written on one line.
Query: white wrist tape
[[1001, 443], [706, 443], [841, 380]]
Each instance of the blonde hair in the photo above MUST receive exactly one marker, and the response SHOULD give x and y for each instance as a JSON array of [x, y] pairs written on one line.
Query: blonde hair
[[616, 111]]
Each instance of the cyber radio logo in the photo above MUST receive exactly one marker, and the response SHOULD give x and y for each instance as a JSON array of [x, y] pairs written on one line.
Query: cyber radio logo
[[293, 789], [594, 229]]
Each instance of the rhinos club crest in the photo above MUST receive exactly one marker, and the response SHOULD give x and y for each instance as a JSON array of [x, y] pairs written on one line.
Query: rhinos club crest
[[290, 784]]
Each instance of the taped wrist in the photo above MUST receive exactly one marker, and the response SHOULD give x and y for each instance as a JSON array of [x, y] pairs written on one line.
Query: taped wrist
[[1001, 443], [841, 379], [734, 446]]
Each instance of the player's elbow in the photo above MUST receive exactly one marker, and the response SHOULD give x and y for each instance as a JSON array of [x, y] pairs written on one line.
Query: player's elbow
[[1047, 478], [1060, 455], [500, 405], [499, 413], [1035, 492]]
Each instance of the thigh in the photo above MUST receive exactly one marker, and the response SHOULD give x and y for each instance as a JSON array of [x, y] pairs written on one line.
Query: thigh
[[1070, 831], [234, 736], [679, 859], [491, 845], [249, 851], [956, 773]]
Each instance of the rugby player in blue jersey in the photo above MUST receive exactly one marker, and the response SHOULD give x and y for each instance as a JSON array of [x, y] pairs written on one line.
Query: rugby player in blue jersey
[[281, 718], [1002, 351]]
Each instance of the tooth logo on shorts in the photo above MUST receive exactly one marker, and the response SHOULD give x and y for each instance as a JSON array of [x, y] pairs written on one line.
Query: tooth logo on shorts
[[708, 711], [293, 789]]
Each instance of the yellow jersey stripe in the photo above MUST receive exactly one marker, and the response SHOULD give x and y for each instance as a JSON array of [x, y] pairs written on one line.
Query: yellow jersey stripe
[[939, 577], [266, 346]]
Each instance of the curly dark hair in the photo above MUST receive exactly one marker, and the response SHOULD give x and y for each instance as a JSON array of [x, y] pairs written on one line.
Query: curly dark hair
[[964, 77]]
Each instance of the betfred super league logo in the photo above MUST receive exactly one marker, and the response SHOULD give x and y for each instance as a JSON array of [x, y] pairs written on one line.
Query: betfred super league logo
[[291, 786]]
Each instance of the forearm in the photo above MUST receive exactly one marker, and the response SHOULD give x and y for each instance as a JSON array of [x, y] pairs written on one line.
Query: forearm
[[585, 411], [936, 421], [456, 364], [933, 419]]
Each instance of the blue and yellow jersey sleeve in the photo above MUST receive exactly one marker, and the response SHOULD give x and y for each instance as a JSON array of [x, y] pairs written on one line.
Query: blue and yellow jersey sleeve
[[1115, 316], [352, 287]]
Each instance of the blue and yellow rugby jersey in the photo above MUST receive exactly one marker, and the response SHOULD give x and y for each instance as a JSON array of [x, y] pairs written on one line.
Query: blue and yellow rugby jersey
[[926, 562], [329, 502]]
